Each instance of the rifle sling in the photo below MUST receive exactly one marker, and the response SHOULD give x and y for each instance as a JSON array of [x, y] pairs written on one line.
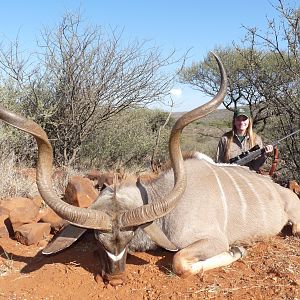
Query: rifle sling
[[275, 161]]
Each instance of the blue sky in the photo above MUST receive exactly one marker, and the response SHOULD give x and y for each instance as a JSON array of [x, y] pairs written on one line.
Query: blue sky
[[169, 24]]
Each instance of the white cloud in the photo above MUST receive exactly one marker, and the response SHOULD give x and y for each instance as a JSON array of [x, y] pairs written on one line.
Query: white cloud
[[176, 92]]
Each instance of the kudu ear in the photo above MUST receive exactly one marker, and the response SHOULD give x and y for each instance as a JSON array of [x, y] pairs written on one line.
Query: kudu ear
[[64, 239], [158, 237]]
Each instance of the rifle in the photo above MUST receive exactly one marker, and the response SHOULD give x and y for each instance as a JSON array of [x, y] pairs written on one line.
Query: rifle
[[247, 156]]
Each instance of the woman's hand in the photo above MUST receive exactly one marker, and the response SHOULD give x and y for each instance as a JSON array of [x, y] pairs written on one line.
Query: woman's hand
[[269, 149]]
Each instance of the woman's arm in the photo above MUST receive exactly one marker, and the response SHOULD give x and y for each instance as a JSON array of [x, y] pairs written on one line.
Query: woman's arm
[[221, 150]]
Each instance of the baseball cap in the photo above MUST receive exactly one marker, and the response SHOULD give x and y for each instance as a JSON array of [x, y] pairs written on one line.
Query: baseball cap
[[242, 111]]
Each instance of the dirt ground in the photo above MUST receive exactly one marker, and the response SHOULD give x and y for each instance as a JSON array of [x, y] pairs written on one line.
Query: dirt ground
[[270, 270]]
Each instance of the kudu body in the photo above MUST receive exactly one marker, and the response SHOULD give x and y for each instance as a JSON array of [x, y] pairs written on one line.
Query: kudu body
[[197, 207]]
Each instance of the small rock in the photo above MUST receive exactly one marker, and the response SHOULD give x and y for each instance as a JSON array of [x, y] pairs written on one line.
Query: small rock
[[29, 234], [23, 215], [80, 192], [47, 215]]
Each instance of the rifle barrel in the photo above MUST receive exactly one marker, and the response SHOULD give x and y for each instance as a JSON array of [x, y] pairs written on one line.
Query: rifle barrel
[[285, 137]]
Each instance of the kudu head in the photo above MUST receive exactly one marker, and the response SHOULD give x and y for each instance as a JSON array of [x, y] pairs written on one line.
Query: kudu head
[[115, 217]]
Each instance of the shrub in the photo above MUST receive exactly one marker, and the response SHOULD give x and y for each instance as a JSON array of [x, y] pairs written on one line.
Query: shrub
[[127, 140]]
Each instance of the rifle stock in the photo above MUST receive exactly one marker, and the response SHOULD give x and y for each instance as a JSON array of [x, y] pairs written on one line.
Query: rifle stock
[[251, 156], [243, 154]]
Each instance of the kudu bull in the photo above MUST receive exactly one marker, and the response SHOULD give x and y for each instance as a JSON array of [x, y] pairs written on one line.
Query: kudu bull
[[197, 207]]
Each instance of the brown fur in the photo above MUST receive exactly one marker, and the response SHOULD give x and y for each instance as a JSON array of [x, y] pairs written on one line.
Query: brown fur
[[144, 177], [295, 187], [102, 180]]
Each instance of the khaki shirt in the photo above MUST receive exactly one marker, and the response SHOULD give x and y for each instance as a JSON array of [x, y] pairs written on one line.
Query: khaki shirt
[[237, 147]]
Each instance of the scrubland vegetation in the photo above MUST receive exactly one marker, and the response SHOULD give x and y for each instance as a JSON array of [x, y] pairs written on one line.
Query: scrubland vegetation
[[89, 90]]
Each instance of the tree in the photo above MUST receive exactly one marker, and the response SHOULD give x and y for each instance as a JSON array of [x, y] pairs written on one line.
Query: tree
[[204, 76], [82, 77], [263, 72], [280, 86]]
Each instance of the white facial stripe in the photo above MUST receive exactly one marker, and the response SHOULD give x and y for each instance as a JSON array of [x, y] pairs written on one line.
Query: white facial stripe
[[114, 257]]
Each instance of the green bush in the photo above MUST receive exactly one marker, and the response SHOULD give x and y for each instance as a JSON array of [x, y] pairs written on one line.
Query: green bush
[[128, 140]]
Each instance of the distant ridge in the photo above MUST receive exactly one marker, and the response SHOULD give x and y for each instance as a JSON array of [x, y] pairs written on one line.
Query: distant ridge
[[219, 114]]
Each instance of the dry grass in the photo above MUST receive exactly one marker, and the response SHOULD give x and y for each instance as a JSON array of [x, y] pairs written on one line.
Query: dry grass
[[12, 182], [19, 181], [6, 263], [61, 178]]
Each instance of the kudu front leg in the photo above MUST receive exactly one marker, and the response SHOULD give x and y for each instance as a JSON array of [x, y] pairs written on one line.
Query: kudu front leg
[[296, 229], [292, 209], [204, 255]]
